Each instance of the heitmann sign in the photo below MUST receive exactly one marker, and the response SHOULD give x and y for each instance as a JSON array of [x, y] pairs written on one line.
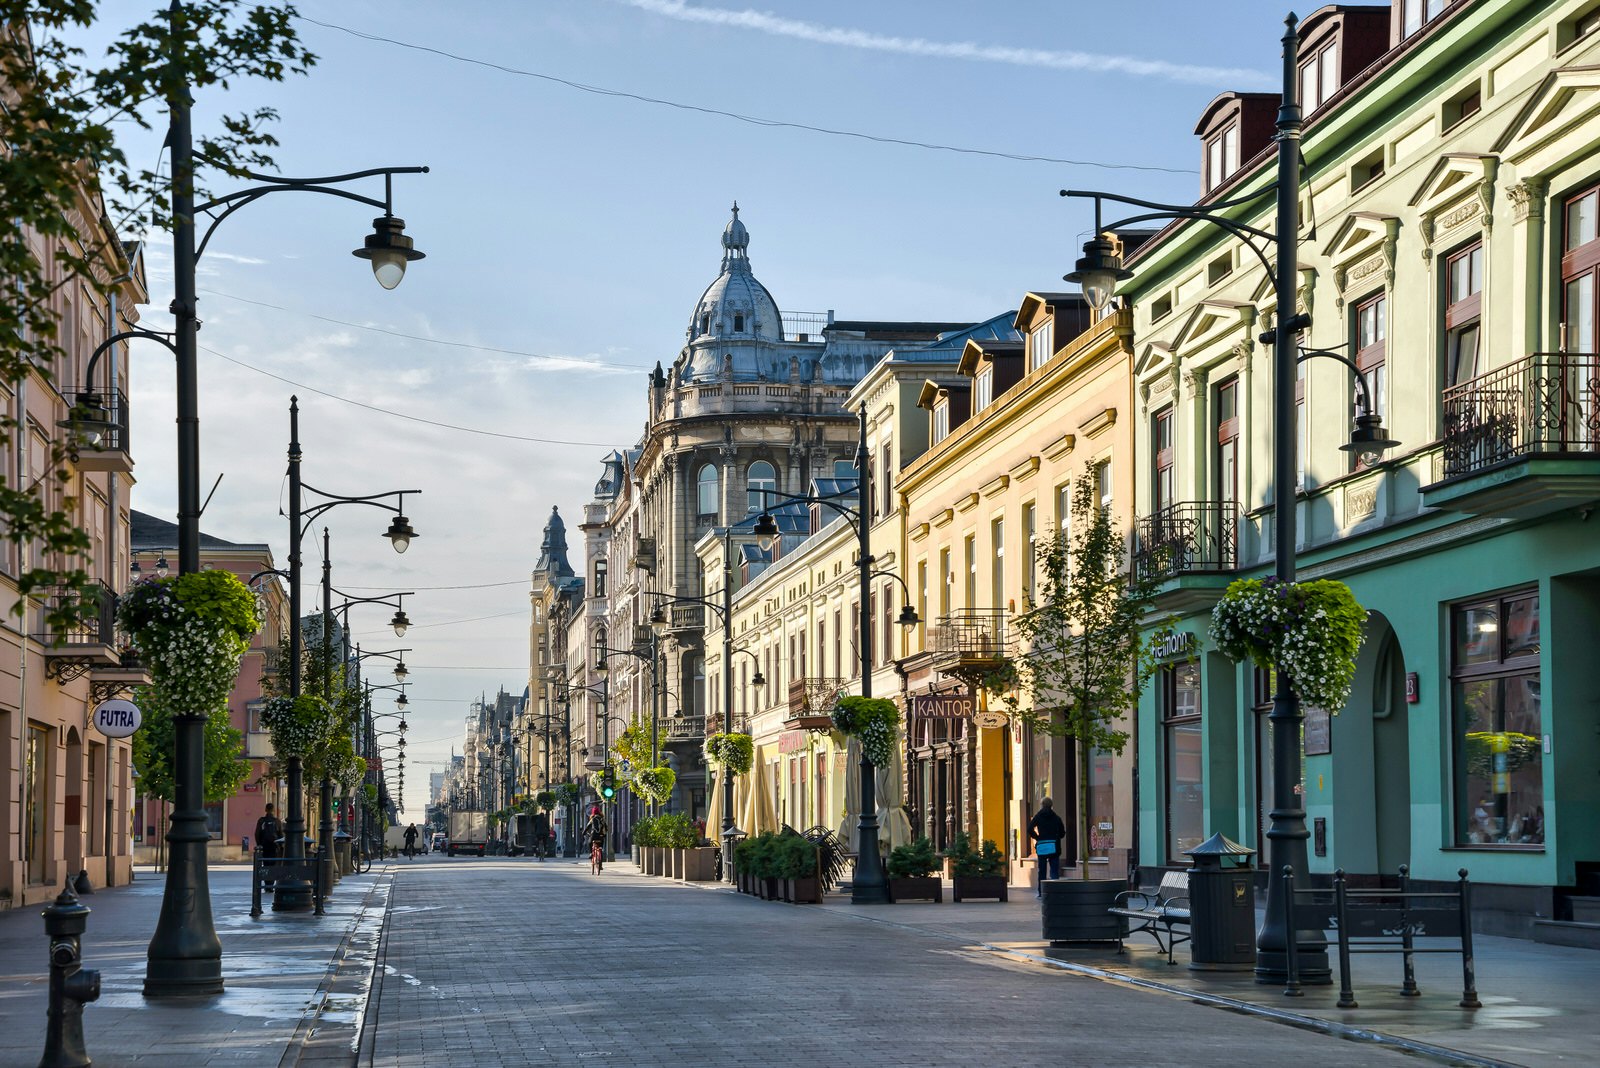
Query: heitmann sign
[[943, 705]]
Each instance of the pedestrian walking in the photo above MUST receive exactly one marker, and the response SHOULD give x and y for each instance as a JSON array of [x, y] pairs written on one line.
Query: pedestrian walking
[[1046, 831], [411, 840], [269, 833]]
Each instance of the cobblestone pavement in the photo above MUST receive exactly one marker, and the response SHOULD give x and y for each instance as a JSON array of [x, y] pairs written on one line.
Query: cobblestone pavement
[[512, 962]]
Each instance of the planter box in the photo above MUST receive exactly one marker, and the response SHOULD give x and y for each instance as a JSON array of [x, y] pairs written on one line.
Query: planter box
[[917, 888], [965, 886], [1076, 910], [699, 864], [769, 888], [804, 891], [636, 851], [678, 862], [652, 860]]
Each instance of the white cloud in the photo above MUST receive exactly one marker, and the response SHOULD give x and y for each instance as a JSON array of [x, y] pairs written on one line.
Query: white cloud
[[761, 22]]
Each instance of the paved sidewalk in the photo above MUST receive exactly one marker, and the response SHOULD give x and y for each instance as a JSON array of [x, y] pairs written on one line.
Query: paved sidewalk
[[1538, 1000], [295, 984]]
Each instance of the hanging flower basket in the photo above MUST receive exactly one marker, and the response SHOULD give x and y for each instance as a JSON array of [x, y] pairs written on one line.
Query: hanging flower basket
[[1311, 631], [545, 799], [735, 752], [298, 726], [874, 721], [191, 631], [654, 784], [567, 793]]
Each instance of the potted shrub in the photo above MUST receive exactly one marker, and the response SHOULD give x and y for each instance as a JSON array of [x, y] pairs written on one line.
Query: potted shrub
[[642, 838], [976, 872], [911, 873], [796, 865]]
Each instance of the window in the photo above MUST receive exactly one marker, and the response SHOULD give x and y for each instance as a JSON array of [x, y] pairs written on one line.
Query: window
[[1160, 308], [969, 555], [213, 810], [705, 324], [945, 581], [886, 478], [738, 324], [1463, 105], [599, 578], [1041, 345], [759, 480], [1417, 13], [1369, 169], [941, 421], [1064, 506], [997, 566], [1302, 431], [1580, 263], [845, 469], [922, 594], [1499, 749], [1030, 553], [1161, 445], [1319, 77], [983, 388], [1372, 332], [1182, 751], [1226, 460], [1102, 484], [1219, 268], [1222, 156], [706, 490], [1463, 307]]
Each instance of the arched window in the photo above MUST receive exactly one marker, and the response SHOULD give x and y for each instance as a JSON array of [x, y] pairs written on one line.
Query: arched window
[[705, 324], [706, 490], [761, 478], [599, 647]]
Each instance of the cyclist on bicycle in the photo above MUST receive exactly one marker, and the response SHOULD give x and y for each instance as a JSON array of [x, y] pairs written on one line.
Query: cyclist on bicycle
[[595, 832], [411, 840]]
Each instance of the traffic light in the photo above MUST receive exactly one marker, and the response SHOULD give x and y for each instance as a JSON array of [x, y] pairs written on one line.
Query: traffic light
[[608, 784], [336, 806]]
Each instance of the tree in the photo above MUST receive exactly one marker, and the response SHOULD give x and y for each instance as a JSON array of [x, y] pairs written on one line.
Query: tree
[[1086, 659], [226, 767], [66, 187]]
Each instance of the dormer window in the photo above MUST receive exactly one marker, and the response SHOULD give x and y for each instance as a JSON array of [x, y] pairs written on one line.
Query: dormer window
[[1319, 77], [738, 324], [705, 324], [941, 421], [983, 389], [1222, 156], [1416, 14], [1041, 345]]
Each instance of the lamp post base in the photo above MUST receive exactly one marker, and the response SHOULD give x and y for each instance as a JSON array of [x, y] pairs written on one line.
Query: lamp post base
[[1311, 966], [292, 897]]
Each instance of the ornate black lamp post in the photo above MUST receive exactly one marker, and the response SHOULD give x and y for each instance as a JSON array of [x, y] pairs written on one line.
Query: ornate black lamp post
[[1098, 272], [185, 957], [658, 624], [296, 896], [868, 887]]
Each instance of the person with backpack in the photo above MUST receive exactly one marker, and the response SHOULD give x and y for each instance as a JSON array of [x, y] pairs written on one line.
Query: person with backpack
[[269, 835], [1046, 831]]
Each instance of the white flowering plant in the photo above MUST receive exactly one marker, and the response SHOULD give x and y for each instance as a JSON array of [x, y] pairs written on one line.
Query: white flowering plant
[[654, 784], [191, 631], [298, 726], [1310, 631], [873, 721], [735, 752]]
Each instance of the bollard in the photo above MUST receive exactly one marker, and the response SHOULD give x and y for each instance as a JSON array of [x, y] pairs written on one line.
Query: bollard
[[71, 985]]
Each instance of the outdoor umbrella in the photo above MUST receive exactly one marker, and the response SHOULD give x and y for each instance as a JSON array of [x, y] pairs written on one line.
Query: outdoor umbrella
[[714, 809], [894, 828], [761, 816], [849, 829]]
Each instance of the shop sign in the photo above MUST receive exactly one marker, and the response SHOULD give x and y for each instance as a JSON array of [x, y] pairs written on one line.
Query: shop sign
[[943, 705], [792, 741], [1318, 731], [989, 719], [1178, 643], [116, 718]]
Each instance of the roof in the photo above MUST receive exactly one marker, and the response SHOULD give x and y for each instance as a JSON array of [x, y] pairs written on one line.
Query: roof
[[149, 533]]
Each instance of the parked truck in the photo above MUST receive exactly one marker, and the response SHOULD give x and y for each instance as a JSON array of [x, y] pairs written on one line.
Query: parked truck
[[469, 833]]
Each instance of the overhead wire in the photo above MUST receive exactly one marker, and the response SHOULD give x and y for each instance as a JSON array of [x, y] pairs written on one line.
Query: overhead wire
[[754, 120]]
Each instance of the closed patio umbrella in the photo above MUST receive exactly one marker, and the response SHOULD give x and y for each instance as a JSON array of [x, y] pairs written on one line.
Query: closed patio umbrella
[[714, 807], [894, 828], [762, 815], [849, 831]]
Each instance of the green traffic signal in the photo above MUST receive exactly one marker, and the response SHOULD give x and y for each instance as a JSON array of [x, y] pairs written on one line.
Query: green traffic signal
[[608, 784]]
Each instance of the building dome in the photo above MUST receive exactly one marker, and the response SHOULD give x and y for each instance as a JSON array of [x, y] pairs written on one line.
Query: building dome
[[736, 307]]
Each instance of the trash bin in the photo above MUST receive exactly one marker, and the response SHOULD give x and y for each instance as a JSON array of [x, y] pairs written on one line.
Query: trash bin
[[1222, 906], [341, 853]]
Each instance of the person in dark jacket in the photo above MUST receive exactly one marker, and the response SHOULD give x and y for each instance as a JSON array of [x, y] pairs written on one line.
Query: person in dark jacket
[[1046, 831], [269, 833]]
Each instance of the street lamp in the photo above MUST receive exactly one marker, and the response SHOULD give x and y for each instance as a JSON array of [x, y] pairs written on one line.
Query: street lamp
[[1098, 272], [185, 956], [295, 895], [868, 887], [658, 626]]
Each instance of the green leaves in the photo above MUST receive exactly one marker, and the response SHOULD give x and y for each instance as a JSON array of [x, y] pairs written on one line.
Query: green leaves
[[654, 784], [874, 721], [735, 752], [1311, 631]]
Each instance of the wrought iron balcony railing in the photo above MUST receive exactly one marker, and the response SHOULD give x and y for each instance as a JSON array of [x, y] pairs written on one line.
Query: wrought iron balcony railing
[[1546, 404], [1186, 537], [811, 702], [975, 639], [91, 642]]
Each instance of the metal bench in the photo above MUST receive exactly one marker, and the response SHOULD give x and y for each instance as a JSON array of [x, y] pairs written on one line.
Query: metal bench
[[1158, 914]]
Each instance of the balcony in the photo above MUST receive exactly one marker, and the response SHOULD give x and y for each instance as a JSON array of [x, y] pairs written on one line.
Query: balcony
[[1193, 547], [91, 644], [107, 409], [971, 643], [688, 617], [683, 728], [1522, 441], [811, 703]]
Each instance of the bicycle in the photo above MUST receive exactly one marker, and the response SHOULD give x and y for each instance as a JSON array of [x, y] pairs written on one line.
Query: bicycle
[[363, 863], [597, 856]]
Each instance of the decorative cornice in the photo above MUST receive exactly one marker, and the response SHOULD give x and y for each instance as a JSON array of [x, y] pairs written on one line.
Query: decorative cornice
[[1060, 447], [990, 488], [943, 518], [1099, 423], [1025, 469], [967, 503]]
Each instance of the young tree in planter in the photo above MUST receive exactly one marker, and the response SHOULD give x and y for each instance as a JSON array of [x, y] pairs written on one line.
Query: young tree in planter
[[1086, 661]]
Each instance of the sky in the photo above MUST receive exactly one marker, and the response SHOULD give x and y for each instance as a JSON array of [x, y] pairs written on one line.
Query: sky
[[583, 157]]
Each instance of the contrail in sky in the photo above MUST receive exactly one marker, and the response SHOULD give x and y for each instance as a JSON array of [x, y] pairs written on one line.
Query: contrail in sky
[[761, 22]]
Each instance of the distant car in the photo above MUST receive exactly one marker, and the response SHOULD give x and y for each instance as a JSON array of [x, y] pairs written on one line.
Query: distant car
[[436, 843]]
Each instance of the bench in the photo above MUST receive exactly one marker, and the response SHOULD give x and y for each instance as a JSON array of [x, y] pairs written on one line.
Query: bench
[[1384, 921], [1159, 913]]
